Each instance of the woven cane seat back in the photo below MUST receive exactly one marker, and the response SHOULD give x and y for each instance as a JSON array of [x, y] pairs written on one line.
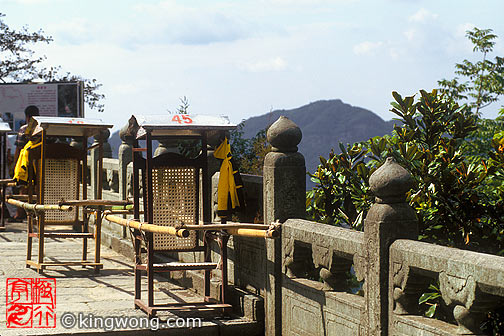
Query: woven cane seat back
[[175, 202], [61, 181]]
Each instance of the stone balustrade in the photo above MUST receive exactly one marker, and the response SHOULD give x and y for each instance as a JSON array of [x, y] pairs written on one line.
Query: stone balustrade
[[306, 277], [471, 284]]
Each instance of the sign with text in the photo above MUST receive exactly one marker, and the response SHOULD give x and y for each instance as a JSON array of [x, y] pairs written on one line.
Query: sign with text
[[56, 99]]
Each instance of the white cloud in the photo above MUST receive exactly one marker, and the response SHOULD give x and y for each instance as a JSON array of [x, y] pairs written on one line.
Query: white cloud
[[273, 64], [306, 2], [32, 2], [422, 16], [463, 28], [175, 22], [366, 48], [74, 30], [410, 34]]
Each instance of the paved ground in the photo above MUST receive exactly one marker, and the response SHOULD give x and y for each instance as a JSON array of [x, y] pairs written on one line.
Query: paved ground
[[107, 294]]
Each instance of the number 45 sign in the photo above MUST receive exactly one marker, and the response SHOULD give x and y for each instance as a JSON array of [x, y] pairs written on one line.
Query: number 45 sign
[[182, 119]]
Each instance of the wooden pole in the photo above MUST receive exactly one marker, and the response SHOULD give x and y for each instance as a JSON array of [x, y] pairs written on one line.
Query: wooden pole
[[254, 233], [97, 202], [227, 226], [171, 230], [38, 207]]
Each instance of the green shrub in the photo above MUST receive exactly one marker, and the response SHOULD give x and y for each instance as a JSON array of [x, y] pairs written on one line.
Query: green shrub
[[458, 193]]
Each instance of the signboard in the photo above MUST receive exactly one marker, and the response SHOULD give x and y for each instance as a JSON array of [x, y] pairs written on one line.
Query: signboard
[[55, 99]]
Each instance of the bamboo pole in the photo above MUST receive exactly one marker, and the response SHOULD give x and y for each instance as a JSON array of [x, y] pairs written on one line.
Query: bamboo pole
[[227, 226], [7, 181], [97, 202], [121, 212], [253, 233], [21, 197], [38, 207], [171, 230]]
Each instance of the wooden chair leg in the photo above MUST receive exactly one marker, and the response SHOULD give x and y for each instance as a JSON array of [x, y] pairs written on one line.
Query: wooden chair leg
[[223, 240], [150, 270], [41, 231], [29, 240], [98, 223], [85, 229], [138, 273]]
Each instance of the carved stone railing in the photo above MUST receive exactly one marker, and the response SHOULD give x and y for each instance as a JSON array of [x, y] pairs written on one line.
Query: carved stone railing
[[304, 275], [111, 175], [471, 284], [324, 304]]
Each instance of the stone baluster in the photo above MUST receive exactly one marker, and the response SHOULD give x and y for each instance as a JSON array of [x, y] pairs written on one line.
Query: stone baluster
[[107, 153], [214, 139], [125, 156], [94, 153], [107, 149], [388, 219], [284, 193], [167, 146]]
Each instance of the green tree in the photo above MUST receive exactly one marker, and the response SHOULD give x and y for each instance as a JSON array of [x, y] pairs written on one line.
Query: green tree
[[482, 82], [183, 108], [249, 154], [20, 64], [451, 196]]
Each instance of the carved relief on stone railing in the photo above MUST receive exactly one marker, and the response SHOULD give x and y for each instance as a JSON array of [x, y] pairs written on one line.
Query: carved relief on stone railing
[[407, 288], [320, 252], [469, 304], [112, 180], [470, 283], [360, 265], [298, 260]]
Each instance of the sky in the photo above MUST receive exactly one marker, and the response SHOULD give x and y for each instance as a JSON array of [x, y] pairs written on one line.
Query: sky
[[243, 58]]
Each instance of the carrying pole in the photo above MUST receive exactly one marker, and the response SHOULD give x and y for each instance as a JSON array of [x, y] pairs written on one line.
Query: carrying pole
[[171, 230]]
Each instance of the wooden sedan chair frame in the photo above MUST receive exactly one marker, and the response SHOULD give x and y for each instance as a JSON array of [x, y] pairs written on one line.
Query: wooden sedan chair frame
[[4, 166], [173, 189], [57, 179]]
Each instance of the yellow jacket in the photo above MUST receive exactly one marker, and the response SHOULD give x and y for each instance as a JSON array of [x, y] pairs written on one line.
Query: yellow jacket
[[21, 168], [228, 188]]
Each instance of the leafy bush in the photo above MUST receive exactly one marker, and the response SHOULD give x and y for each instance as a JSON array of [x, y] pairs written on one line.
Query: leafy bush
[[456, 198], [249, 153]]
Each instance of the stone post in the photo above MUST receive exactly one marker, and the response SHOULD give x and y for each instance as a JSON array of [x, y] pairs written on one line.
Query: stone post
[[284, 197], [107, 153], [94, 153], [125, 157], [388, 219], [214, 139]]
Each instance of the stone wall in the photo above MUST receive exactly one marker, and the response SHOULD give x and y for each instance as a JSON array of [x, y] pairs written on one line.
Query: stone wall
[[303, 277]]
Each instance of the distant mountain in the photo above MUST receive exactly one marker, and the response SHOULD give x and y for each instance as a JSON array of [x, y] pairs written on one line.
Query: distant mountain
[[324, 124]]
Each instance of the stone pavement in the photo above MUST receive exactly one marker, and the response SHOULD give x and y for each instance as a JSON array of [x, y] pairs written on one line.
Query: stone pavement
[[109, 293]]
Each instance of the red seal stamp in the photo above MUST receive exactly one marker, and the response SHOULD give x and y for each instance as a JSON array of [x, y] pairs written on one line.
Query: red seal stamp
[[31, 303]]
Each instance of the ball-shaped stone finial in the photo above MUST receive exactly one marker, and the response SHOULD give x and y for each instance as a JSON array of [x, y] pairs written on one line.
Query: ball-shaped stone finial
[[103, 135], [124, 132], [284, 135], [390, 182]]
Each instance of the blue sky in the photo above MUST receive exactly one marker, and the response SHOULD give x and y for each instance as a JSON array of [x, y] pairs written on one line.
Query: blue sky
[[243, 58]]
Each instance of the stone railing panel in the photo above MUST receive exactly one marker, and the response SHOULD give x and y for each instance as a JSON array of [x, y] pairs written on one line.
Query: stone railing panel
[[325, 252], [111, 175], [471, 283]]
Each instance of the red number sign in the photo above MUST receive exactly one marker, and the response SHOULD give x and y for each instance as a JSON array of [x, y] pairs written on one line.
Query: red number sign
[[182, 119]]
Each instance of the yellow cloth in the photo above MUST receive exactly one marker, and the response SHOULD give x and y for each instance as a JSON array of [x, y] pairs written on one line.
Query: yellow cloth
[[21, 169], [227, 184]]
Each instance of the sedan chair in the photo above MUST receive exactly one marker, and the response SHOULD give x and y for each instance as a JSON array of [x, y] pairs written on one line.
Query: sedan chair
[[57, 173], [175, 192]]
